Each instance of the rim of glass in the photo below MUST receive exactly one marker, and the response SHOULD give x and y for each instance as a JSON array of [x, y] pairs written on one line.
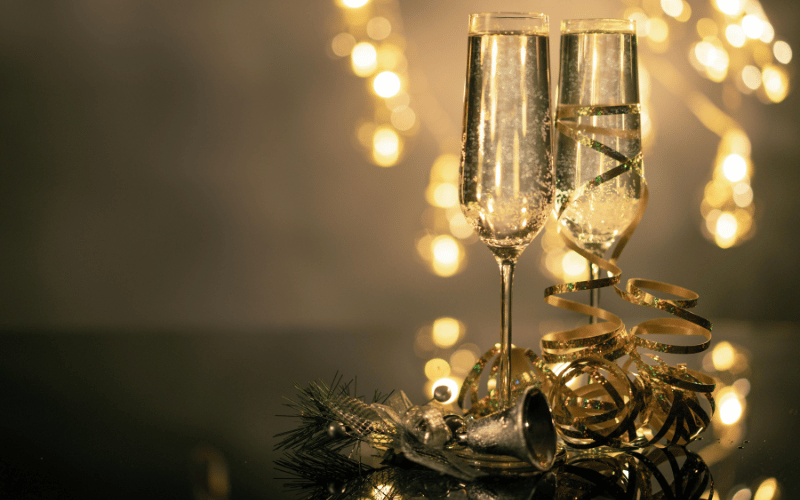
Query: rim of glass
[[509, 22], [569, 26]]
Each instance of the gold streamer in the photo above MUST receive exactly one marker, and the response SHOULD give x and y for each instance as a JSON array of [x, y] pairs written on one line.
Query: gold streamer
[[616, 407], [528, 369]]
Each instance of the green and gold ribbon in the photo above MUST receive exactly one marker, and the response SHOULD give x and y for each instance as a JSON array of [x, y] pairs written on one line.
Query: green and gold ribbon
[[661, 403]]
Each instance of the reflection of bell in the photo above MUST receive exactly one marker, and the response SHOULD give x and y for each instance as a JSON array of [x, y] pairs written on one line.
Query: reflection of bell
[[538, 487], [524, 431]]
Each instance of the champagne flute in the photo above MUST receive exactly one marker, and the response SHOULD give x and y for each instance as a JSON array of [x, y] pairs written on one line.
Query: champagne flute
[[598, 129], [507, 177]]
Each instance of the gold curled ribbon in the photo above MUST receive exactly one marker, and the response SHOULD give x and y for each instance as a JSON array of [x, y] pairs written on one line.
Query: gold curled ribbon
[[600, 412], [663, 403], [604, 339], [528, 369]]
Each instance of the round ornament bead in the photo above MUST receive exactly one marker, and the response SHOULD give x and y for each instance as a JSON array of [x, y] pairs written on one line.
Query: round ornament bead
[[442, 393]]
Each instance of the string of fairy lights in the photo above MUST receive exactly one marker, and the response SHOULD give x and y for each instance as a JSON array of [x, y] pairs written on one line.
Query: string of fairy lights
[[731, 43]]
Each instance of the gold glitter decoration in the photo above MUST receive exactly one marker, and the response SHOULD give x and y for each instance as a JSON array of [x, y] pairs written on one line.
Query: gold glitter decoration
[[645, 401], [528, 369]]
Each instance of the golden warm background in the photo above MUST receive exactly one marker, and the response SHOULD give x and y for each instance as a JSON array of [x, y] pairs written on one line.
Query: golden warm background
[[205, 202], [198, 167]]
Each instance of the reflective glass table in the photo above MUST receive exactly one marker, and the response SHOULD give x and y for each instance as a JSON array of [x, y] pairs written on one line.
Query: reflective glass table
[[194, 415]]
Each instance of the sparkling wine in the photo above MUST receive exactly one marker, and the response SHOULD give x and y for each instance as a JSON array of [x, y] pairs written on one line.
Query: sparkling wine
[[507, 174], [597, 68]]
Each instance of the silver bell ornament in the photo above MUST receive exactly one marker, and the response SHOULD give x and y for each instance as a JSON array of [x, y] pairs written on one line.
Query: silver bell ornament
[[524, 431]]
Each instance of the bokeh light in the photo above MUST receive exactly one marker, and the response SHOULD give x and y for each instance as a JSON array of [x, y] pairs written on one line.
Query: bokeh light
[[459, 226], [447, 331], [574, 265], [342, 44], [354, 4], [386, 84], [445, 195], [386, 146], [437, 368], [447, 255], [706, 28], [391, 57], [768, 33], [672, 8], [776, 83], [742, 494], [713, 58], [751, 77], [723, 356], [636, 14], [734, 167], [403, 118], [657, 31], [753, 26], [730, 7], [462, 361], [379, 28], [742, 194], [725, 229], [782, 52], [767, 490], [364, 58], [735, 35], [730, 408]]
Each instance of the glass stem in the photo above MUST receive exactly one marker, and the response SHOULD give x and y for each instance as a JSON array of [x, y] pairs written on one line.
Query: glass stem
[[504, 387], [594, 293]]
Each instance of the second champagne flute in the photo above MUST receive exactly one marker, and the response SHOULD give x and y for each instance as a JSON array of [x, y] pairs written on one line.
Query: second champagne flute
[[507, 177], [600, 176]]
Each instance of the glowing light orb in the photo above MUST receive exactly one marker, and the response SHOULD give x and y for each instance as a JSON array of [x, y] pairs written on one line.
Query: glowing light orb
[[404, 118], [462, 360], [751, 77], [742, 194], [447, 255], [734, 167], [730, 410], [776, 83], [385, 146], [726, 226], [782, 52], [437, 368], [723, 356], [767, 490], [735, 35], [354, 4], [364, 58], [730, 7], [342, 44], [574, 265], [386, 84], [446, 332], [753, 26], [379, 28], [672, 8]]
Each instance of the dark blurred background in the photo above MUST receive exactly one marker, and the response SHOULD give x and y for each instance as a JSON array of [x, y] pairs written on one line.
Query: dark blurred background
[[188, 227]]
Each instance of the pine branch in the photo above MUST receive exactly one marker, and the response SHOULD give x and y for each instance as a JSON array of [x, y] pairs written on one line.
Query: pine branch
[[319, 405], [323, 473]]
